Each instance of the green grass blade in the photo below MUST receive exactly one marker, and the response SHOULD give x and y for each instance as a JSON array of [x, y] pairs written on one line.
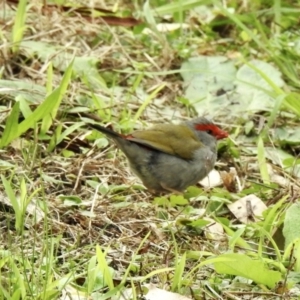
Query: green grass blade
[[261, 157], [15, 203], [49, 106], [11, 126], [19, 25]]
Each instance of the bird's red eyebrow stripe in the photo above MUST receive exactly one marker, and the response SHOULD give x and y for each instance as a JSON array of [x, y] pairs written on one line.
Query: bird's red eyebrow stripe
[[204, 127], [216, 131]]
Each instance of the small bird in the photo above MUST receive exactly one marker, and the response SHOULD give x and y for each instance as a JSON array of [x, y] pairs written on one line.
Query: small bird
[[168, 157]]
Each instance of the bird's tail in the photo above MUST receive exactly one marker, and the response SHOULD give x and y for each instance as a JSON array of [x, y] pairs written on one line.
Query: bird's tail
[[107, 131]]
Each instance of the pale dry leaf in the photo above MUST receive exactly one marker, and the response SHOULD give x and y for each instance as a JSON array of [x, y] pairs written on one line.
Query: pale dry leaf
[[248, 208], [279, 179], [70, 293], [17, 144], [167, 27], [214, 230], [157, 231], [154, 293], [234, 54], [213, 179]]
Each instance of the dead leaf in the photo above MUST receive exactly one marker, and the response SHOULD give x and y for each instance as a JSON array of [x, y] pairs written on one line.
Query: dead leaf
[[167, 27], [228, 179], [154, 293], [248, 208], [70, 293], [213, 179], [214, 230]]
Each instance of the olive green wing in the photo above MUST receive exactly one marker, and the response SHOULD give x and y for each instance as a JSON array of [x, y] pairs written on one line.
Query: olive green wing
[[176, 140]]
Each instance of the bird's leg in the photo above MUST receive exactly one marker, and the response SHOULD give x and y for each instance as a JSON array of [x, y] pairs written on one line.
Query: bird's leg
[[171, 190]]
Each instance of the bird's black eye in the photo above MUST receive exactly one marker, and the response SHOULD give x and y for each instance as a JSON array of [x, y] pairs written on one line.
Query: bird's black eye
[[209, 132]]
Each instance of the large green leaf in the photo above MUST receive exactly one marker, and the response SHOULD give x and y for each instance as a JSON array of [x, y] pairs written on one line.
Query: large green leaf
[[244, 266], [33, 93], [214, 86]]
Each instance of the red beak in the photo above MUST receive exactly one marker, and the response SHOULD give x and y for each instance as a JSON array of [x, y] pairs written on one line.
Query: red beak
[[221, 134]]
